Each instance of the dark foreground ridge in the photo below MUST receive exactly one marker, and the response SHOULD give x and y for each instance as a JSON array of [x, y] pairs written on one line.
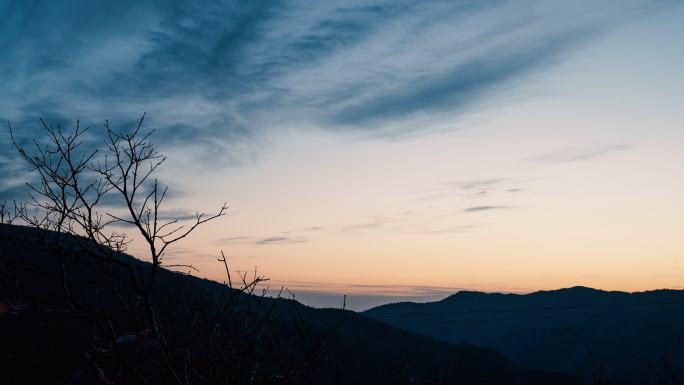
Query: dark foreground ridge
[[633, 338], [43, 341]]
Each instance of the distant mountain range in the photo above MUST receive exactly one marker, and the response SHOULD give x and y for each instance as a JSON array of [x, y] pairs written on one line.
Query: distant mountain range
[[633, 338], [42, 341]]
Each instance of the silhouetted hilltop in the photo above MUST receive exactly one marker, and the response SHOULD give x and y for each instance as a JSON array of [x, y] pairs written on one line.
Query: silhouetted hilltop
[[630, 333], [42, 342]]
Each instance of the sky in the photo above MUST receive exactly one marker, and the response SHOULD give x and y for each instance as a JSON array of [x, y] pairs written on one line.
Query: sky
[[388, 151]]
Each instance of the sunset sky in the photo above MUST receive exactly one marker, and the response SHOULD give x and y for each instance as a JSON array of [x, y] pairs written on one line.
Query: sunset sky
[[384, 150]]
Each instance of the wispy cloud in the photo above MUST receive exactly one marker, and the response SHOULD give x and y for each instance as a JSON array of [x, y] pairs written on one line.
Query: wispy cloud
[[475, 209], [476, 189], [464, 189], [376, 222], [351, 288], [10, 193], [228, 69], [278, 240], [178, 214], [307, 229], [479, 184], [14, 172], [233, 240], [576, 154]]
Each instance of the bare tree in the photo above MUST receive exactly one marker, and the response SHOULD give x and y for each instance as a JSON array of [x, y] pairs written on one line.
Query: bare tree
[[90, 201], [10, 213]]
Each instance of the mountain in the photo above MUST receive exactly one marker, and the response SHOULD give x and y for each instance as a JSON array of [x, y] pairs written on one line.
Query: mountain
[[44, 340], [634, 338]]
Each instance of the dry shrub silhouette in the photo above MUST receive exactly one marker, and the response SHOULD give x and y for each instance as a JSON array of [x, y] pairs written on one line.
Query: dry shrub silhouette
[[85, 201]]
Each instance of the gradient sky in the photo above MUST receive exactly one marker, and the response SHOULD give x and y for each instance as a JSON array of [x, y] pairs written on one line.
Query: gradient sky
[[384, 150]]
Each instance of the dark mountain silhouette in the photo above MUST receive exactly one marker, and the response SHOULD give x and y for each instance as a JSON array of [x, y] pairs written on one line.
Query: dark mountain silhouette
[[44, 343], [636, 336]]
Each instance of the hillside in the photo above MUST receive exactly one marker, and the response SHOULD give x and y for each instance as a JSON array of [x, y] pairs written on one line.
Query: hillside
[[633, 335], [44, 341]]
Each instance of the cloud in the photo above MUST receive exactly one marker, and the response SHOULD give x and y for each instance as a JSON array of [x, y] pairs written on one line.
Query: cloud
[[217, 72], [238, 239], [178, 214], [14, 172], [278, 240], [274, 240], [576, 154], [361, 297], [304, 229], [376, 222], [17, 193], [475, 209], [473, 188], [351, 288], [480, 183]]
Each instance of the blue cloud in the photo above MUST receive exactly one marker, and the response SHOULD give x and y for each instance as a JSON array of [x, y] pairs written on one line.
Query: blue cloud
[[216, 72]]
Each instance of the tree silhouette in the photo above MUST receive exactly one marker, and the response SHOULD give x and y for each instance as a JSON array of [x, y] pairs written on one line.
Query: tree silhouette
[[83, 196]]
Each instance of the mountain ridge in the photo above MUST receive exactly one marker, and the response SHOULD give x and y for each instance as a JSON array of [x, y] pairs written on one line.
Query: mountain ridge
[[560, 291], [547, 329]]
